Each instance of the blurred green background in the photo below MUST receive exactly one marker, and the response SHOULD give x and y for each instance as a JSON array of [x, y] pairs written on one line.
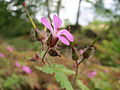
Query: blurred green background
[[16, 33]]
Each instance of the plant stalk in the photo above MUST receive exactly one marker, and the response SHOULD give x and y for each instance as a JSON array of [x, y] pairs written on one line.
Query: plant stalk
[[45, 55], [76, 73]]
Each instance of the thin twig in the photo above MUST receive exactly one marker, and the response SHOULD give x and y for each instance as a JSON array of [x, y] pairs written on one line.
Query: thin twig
[[31, 20], [45, 55], [81, 61], [48, 61]]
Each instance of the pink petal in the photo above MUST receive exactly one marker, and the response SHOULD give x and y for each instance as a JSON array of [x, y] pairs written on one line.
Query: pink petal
[[63, 40], [67, 34], [17, 64], [47, 24], [92, 74], [81, 51], [10, 49], [57, 22], [26, 69], [106, 71], [2, 55]]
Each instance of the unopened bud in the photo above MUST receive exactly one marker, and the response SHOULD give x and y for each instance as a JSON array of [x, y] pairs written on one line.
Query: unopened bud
[[54, 53], [40, 35], [75, 55]]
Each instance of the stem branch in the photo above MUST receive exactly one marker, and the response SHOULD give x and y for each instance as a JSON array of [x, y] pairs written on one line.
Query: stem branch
[[45, 55], [76, 71], [81, 61]]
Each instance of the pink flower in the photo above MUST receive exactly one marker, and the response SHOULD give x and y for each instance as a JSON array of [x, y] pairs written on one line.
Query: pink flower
[[10, 49], [17, 64], [2, 55], [92, 74], [26, 69], [63, 35]]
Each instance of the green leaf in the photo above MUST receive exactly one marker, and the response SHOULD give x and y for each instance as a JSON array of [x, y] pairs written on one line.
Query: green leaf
[[14, 80], [47, 69], [61, 68], [50, 69], [63, 80], [60, 74], [82, 86]]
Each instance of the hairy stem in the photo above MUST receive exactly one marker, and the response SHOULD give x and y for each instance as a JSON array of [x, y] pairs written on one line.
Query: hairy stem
[[30, 18], [45, 55], [76, 73]]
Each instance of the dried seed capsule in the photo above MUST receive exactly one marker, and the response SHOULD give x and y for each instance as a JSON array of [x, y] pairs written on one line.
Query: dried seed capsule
[[36, 58], [54, 53], [88, 52]]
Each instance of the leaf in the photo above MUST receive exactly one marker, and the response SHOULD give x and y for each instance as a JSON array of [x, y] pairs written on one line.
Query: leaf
[[82, 86], [47, 69], [60, 74], [63, 80], [12, 81], [55, 68], [61, 68]]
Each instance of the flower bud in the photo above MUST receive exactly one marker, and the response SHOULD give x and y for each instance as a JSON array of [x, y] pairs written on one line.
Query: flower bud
[[40, 35], [53, 53], [75, 55]]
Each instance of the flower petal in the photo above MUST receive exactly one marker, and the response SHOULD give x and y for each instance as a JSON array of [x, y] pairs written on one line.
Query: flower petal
[[26, 69], [47, 24], [63, 40], [67, 34], [2, 55], [17, 64], [57, 22]]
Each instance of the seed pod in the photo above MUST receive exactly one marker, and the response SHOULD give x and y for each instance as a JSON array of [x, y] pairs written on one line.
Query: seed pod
[[53, 53], [36, 58], [88, 52], [75, 55]]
